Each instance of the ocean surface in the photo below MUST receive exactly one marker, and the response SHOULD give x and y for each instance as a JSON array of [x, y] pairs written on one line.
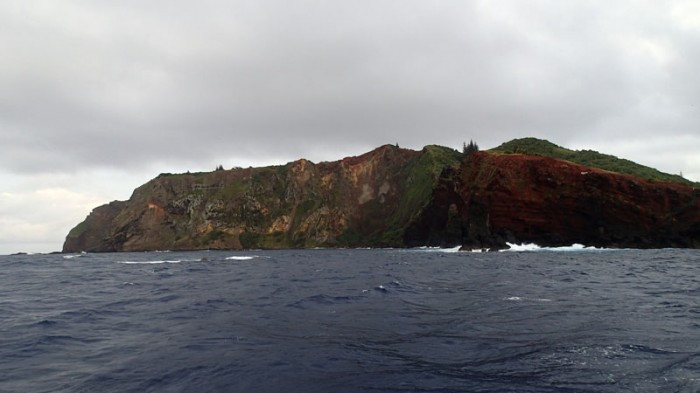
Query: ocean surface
[[422, 320]]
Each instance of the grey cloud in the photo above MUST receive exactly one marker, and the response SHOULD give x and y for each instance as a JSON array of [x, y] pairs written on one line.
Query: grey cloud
[[138, 83]]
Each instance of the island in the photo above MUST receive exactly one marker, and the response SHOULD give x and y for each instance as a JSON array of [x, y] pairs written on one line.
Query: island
[[524, 191]]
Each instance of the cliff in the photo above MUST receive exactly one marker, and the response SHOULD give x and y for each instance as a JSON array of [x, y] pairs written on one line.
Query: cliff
[[393, 197], [359, 201], [498, 198]]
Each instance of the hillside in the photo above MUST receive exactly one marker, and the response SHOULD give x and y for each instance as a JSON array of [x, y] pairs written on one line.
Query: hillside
[[539, 147], [358, 201], [394, 197]]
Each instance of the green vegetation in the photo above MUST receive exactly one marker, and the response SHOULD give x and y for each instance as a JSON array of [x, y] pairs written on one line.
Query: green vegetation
[[249, 239], [264, 175], [276, 239], [79, 229], [351, 238], [214, 236], [472, 147], [305, 207], [232, 189], [422, 174], [539, 147]]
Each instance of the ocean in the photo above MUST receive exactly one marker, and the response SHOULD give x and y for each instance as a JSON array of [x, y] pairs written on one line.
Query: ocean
[[419, 320]]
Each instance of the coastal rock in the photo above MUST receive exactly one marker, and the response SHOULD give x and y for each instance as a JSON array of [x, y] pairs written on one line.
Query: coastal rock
[[531, 199], [358, 201], [394, 197]]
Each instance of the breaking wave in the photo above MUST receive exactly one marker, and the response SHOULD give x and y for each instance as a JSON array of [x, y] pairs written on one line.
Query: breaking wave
[[157, 262], [149, 262], [437, 249], [534, 247], [242, 258]]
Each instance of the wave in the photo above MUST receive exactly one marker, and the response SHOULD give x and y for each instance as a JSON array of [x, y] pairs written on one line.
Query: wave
[[437, 249], [204, 259], [518, 299], [157, 262], [242, 258], [532, 247]]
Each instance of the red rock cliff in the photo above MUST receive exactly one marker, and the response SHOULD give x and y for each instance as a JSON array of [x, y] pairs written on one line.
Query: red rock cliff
[[497, 198]]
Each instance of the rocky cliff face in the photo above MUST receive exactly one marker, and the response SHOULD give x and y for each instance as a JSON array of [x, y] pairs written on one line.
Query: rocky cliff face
[[397, 197], [358, 201], [497, 198]]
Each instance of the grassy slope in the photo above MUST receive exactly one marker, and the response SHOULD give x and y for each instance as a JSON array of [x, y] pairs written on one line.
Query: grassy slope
[[534, 146], [422, 174]]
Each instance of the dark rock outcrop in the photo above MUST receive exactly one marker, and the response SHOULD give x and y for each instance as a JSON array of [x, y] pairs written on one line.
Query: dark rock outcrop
[[518, 198], [400, 198]]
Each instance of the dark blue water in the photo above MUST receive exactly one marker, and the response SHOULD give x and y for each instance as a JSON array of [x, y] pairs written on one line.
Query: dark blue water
[[351, 321]]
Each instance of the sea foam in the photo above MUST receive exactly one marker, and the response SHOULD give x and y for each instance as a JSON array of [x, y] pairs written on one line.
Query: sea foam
[[150, 262], [438, 249], [535, 247]]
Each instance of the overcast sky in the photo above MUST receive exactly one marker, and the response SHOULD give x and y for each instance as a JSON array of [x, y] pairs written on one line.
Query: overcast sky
[[98, 97]]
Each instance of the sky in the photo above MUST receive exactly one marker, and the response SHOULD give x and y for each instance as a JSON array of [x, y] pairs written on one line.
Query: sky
[[97, 97]]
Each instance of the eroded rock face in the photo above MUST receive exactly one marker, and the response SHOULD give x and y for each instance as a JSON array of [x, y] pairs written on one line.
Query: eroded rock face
[[397, 197], [518, 198], [94, 230], [356, 201]]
